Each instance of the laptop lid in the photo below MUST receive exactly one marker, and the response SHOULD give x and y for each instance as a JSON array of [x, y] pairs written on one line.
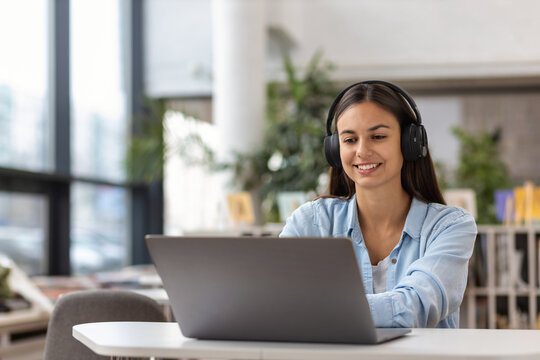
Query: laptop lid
[[265, 288]]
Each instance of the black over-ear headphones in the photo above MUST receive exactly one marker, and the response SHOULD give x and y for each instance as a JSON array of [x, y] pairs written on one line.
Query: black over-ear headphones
[[414, 143]]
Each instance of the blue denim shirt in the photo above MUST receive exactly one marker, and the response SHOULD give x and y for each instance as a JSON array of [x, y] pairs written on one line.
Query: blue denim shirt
[[427, 274]]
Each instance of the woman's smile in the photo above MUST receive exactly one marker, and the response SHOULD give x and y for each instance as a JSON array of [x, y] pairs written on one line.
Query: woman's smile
[[367, 168]]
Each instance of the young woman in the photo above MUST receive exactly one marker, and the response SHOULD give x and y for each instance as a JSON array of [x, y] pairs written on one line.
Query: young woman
[[412, 249]]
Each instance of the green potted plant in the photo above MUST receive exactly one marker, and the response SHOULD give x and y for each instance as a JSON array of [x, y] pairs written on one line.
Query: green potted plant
[[290, 157], [481, 169], [5, 290], [145, 155]]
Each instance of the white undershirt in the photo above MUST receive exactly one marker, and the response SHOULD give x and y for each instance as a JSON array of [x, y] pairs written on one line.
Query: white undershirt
[[379, 275]]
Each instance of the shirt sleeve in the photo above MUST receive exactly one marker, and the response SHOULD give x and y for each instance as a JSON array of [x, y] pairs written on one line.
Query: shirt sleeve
[[433, 286], [301, 222]]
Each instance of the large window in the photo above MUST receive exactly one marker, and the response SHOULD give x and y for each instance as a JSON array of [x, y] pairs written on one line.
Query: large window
[[24, 111], [25, 129], [203, 203], [98, 228], [70, 83], [23, 230], [98, 130], [98, 93]]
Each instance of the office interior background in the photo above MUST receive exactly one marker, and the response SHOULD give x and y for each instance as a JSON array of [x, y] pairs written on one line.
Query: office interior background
[[74, 74]]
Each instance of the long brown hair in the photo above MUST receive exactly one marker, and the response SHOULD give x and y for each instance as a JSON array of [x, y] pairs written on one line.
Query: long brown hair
[[418, 177]]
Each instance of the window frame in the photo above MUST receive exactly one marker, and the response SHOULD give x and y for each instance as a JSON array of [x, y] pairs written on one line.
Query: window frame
[[146, 208]]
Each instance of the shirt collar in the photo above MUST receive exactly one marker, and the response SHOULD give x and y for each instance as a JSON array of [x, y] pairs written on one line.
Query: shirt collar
[[413, 223], [415, 218]]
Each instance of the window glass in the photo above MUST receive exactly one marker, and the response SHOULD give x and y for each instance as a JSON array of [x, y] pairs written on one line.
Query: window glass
[[23, 230], [98, 228], [98, 93], [202, 204], [24, 121]]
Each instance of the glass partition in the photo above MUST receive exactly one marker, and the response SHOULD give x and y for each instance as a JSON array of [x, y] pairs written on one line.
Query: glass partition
[[25, 124], [23, 230], [98, 95], [99, 228]]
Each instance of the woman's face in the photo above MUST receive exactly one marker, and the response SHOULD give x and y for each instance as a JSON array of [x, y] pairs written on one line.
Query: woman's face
[[370, 146]]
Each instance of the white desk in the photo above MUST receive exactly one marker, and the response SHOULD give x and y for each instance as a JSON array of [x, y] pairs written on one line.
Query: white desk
[[138, 339]]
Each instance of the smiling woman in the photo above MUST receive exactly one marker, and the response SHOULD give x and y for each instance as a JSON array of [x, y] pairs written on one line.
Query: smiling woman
[[413, 250], [417, 172]]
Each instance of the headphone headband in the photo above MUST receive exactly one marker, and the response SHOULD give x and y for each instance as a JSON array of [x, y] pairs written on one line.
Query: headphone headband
[[409, 100]]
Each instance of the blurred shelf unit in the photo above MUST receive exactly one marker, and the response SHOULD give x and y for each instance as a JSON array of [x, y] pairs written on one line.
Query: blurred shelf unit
[[503, 288], [22, 333], [22, 330]]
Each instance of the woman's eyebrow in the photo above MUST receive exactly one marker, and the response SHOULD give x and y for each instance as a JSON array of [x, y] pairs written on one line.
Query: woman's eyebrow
[[347, 132], [376, 127], [373, 128]]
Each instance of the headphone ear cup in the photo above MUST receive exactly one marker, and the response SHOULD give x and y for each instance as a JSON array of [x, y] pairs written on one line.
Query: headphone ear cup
[[424, 143], [414, 142], [331, 150], [405, 144]]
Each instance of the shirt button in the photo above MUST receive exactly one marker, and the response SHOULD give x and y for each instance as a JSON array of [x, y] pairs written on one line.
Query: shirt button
[[394, 261]]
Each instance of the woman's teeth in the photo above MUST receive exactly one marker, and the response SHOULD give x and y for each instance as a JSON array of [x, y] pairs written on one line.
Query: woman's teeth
[[367, 167]]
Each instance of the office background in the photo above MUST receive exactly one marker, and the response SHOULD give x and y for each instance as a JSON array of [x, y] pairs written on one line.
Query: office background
[[73, 75]]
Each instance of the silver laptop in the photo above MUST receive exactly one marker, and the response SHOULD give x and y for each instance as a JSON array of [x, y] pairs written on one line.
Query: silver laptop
[[266, 289]]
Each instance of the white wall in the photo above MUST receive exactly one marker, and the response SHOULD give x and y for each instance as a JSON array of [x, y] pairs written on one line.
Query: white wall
[[392, 39], [178, 47], [439, 115], [420, 38]]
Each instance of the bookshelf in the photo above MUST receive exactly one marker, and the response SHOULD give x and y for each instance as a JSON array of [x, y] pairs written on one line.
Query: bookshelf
[[503, 286]]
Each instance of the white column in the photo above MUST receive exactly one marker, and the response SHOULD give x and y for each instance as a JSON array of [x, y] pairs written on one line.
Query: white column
[[239, 42]]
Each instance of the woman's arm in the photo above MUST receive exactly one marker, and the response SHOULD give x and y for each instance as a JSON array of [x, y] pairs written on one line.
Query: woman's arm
[[301, 222], [434, 285]]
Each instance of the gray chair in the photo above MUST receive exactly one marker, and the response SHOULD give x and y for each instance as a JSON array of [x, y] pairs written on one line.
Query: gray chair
[[93, 306]]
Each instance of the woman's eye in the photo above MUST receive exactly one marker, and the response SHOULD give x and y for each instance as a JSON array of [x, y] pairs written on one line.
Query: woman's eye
[[379, 137], [349, 141]]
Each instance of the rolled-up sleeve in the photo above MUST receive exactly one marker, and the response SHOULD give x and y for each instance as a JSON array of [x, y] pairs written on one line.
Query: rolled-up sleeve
[[434, 284], [301, 222]]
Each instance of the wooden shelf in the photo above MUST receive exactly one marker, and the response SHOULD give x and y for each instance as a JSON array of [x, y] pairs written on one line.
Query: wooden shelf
[[484, 291]]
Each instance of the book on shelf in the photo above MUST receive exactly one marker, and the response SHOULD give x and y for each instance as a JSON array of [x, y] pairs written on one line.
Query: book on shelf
[[481, 313], [501, 321], [478, 262], [538, 262], [502, 277], [518, 261]]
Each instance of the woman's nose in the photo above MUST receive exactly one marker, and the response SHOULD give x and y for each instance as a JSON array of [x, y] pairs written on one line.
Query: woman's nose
[[362, 148]]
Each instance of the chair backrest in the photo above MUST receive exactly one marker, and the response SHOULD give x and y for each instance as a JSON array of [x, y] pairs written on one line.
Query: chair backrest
[[93, 306]]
